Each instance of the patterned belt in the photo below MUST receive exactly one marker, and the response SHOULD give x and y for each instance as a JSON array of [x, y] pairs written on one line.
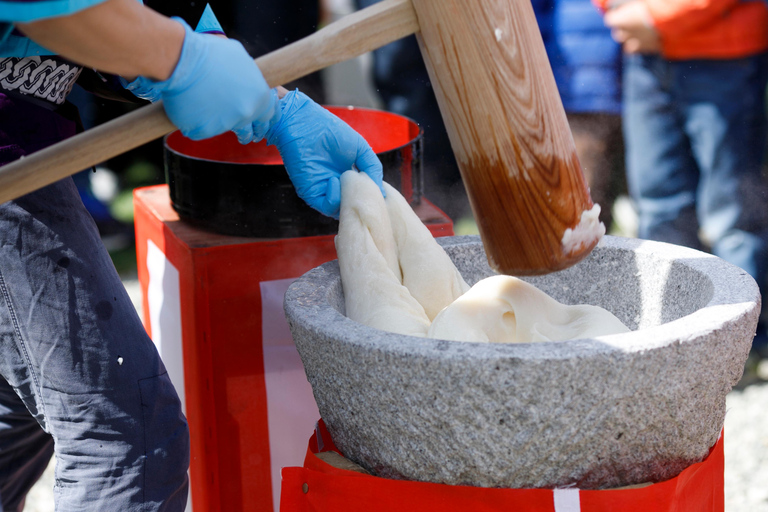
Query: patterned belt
[[45, 81]]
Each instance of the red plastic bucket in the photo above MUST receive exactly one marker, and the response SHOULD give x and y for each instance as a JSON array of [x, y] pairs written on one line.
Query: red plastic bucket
[[244, 190]]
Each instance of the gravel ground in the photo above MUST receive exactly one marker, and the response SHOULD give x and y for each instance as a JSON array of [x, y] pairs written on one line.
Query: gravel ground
[[746, 444]]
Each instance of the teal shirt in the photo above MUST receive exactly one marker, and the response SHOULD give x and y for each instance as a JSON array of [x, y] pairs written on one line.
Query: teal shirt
[[25, 11], [13, 44]]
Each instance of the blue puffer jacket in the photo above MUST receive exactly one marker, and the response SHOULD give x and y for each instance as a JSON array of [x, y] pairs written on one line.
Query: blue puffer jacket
[[585, 60]]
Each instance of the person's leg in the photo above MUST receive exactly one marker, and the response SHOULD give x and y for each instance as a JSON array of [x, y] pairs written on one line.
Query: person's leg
[[76, 353], [403, 84], [25, 450], [727, 127], [661, 174], [597, 137]]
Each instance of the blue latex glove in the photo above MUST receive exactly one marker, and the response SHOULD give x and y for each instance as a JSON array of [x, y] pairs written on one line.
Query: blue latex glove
[[143, 88], [317, 147], [214, 88]]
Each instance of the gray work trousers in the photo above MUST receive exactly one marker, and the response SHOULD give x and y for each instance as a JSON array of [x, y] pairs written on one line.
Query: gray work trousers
[[79, 377]]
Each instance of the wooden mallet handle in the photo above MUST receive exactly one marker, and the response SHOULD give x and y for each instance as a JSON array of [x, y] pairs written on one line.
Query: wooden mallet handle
[[498, 99]]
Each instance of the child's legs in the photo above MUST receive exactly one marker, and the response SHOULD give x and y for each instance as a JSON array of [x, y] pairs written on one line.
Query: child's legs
[[661, 174], [725, 121], [598, 141]]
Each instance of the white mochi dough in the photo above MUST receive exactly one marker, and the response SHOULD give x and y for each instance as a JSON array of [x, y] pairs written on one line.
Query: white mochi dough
[[504, 309], [363, 198], [428, 272], [397, 278], [370, 272]]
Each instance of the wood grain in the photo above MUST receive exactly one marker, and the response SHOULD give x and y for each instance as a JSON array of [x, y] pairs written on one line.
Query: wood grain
[[340, 462], [508, 129], [351, 36]]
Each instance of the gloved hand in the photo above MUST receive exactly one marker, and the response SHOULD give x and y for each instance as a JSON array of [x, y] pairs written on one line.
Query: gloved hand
[[215, 87], [317, 147]]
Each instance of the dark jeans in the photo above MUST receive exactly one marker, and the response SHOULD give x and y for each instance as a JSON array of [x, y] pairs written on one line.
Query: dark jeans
[[695, 135], [80, 376]]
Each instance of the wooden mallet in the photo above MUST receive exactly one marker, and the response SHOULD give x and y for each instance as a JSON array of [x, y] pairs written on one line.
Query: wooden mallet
[[498, 98]]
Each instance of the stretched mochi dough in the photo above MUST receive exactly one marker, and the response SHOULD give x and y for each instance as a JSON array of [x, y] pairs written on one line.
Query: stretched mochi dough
[[428, 272], [504, 309], [370, 272], [364, 202]]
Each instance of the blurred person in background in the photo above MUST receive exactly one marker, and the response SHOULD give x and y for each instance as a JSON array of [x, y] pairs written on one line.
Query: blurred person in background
[[403, 84], [694, 84]]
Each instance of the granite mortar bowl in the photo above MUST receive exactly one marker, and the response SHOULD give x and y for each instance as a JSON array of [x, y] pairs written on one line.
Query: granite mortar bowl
[[594, 413]]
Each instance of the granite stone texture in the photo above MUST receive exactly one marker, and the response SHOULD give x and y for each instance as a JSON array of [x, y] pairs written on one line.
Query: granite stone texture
[[591, 413]]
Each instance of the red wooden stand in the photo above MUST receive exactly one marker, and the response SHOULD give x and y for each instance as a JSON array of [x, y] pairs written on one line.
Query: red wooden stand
[[320, 487], [213, 305]]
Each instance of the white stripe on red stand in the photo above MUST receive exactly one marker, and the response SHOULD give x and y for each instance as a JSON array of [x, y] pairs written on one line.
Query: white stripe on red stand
[[567, 500]]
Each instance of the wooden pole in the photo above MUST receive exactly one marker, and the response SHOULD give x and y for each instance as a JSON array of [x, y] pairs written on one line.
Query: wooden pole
[[508, 130]]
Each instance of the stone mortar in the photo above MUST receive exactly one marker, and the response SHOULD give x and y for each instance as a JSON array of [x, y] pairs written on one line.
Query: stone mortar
[[594, 413]]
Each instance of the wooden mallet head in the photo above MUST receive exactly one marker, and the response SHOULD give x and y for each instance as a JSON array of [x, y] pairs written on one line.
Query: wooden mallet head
[[498, 98]]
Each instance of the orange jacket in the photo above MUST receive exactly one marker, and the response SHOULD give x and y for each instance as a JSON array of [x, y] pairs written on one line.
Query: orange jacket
[[708, 29]]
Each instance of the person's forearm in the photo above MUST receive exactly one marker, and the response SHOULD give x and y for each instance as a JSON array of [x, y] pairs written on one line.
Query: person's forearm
[[118, 36]]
